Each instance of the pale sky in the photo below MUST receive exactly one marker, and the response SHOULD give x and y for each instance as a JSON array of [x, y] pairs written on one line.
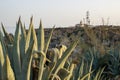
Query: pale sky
[[59, 12]]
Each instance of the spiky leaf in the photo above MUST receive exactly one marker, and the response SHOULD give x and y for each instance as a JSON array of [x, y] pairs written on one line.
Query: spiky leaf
[[64, 57], [16, 54], [27, 63]]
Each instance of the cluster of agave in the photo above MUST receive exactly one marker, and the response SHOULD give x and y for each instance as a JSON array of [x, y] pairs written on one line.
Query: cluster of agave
[[103, 57], [26, 56], [108, 63], [18, 53]]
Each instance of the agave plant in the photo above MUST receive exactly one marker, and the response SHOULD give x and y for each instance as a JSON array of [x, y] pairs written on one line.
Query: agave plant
[[112, 63], [19, 65], [21, 50], [25, 57], [85, 71]]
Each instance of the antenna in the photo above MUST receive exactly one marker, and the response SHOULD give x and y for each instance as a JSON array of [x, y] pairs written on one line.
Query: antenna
[[87, 18]]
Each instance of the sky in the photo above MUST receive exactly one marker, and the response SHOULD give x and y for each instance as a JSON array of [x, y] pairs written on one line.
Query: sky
[[62, 13]]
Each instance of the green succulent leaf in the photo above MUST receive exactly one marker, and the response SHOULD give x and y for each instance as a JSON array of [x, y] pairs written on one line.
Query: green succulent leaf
[[41, 37], [22, 41], [26, 66], [6, 72], [49, 39], [7, 36], [64, 57], [63, 73], [16, 54]]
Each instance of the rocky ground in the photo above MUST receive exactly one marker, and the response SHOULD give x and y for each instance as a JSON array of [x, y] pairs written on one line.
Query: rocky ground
[[108, 36]]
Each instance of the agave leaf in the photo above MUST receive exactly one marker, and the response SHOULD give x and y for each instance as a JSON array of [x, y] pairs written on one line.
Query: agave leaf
[[49, 39], [64, 57], [10, 73], [9, 38], [41, 37], [26, 66], [46, 73], [79, 71], [41, 65], [3, 71], [63, 73], [52, 55], [85, 76], [72, 66], [9, 50], [56, 77], [28, 36], [48, 70], [41, 48], [23, 31], [16, 54], [90, 68], [34, 37], [6, 72], [99, 74], [22, 41], [2, 64]]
